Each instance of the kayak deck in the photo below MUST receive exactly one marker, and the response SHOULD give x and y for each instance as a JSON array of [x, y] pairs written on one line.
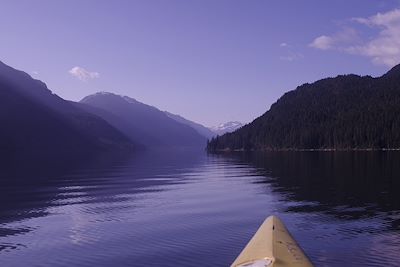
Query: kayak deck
[[272, 246]]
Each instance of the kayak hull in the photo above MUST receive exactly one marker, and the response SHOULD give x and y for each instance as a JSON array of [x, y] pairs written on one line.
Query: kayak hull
[[272, 246]]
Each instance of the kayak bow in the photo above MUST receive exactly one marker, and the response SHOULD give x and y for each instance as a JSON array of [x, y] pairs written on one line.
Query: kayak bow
[[272, 246]]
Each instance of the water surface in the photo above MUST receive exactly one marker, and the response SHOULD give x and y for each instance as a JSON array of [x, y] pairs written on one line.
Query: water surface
[[194, 209]]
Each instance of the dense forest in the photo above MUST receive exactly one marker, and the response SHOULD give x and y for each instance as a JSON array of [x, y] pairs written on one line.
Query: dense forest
[[346, 112]]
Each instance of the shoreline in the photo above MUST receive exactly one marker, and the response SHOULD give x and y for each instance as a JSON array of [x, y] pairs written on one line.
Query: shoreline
[[306, 150]]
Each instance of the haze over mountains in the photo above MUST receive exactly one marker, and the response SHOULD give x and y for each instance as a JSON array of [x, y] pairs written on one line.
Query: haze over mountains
[[346, 112], [144, 124], [202, 130], [208, 132], [33, 119]]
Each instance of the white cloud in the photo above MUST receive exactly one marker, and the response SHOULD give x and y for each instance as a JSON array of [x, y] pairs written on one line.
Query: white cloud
[[83, 74], [283, 45], [383, 46], [340, 40], [381, 19], [323, 42]]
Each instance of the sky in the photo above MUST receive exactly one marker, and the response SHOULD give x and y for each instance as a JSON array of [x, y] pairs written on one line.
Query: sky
[[211, 61]]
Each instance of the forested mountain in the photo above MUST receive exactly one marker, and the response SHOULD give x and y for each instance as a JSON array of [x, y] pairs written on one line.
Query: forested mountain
[[32, 118], [202, 130], [142, 123], [346, 112]]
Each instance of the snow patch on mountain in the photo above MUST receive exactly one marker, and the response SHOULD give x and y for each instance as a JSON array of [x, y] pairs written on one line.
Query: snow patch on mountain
[[226, 127]]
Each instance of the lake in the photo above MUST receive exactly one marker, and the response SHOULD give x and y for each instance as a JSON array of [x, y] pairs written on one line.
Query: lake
[[198, 209]]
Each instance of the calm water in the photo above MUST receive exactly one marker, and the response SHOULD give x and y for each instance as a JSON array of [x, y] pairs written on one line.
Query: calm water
[[194, 209]]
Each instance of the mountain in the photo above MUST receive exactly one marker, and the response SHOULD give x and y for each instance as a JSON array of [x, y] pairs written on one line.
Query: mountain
[[202, 130], [207, 132], [227, 127], [32, 118], [142, 123], [346, 112]]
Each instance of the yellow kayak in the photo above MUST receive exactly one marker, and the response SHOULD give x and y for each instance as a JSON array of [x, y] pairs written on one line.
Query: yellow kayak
[[272, 246]]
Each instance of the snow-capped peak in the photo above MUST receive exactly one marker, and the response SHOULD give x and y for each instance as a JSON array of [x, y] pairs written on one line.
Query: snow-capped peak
[[226, 127]]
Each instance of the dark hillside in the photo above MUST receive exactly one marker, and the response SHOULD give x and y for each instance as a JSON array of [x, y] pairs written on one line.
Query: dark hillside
[[346, 112]]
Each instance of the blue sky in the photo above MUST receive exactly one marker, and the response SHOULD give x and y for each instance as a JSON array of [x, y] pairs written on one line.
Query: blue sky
[[210, 61]]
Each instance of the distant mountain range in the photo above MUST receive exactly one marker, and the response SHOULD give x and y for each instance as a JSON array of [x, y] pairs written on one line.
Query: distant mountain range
[[205, 131], [34, 120], [227, 127], [346, 112], [143, 124], [202, 130]]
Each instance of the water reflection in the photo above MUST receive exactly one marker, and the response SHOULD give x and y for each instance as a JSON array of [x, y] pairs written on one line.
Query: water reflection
[[347, 185], [349, 199], [98, 185], [190, 208]]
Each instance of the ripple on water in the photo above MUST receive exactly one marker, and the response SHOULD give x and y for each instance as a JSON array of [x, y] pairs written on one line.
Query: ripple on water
[[185, 210]]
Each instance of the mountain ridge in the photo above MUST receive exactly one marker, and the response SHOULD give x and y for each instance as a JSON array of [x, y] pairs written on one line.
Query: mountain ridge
[[344, 112], [156, 129], [35, 119], [201, 129]]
